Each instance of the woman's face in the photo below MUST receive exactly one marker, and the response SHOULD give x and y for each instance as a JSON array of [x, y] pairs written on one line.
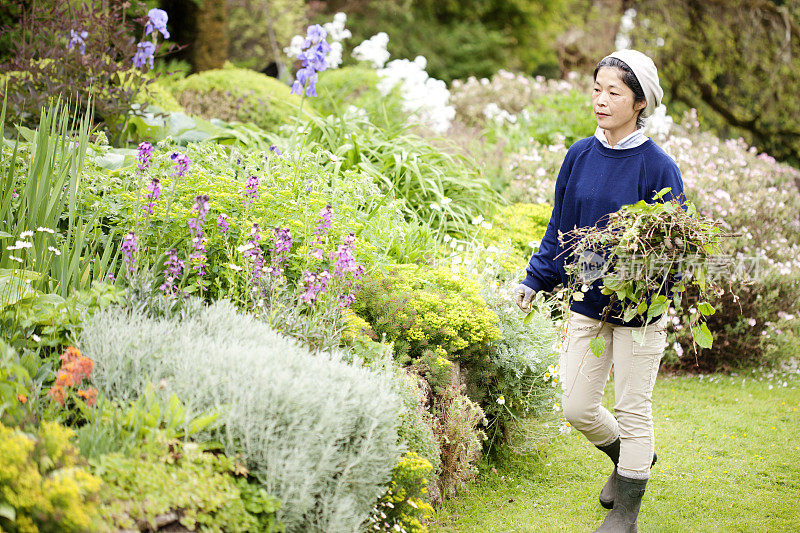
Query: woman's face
[[612, 101]]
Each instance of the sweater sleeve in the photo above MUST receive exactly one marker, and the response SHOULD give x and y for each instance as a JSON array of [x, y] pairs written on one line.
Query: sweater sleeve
[[542, 272]]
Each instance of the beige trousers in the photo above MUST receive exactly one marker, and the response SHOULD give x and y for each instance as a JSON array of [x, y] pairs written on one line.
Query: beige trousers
[[584, 376]]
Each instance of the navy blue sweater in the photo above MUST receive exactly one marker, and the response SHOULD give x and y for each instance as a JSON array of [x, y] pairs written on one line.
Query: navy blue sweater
[[595, 181]]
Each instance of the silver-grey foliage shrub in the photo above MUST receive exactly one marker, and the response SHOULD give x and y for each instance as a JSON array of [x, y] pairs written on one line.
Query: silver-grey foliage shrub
[[320, 434]]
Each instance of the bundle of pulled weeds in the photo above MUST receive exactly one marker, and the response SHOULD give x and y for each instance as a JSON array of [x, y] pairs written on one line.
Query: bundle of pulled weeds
[[649, 254]]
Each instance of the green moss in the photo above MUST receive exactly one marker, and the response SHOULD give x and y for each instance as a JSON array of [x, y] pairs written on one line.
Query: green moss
[[198, 487], [235, 94]]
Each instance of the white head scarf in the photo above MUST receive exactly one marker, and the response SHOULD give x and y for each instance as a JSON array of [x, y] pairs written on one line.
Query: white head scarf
[[645, 71]]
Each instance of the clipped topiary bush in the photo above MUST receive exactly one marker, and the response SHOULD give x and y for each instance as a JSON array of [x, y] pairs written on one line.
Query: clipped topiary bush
[[357, 86], [234, 94], [159, 96], [319, 434]]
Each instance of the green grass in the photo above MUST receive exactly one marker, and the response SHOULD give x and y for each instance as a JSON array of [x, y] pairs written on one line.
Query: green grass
[[728, 460]]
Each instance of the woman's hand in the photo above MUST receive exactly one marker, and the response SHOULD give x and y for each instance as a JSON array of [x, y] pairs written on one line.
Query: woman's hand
[[524, 296]]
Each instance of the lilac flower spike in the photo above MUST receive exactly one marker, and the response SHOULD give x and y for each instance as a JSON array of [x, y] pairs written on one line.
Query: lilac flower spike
[[129, 248], [78, 39], [345, 261], [157, 22], [173, 268], [314, 285], [182, 162], [222, 223], [253, 250], [251, 189], [144, 54], [144, 155], [314, 34], [275, 149], [153, 192], [282, 245], [201, 207]]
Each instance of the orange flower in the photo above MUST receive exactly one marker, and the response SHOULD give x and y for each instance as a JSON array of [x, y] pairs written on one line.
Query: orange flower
[[64, 379], [69, 355], [57, 393], [22, 399], [90, 395], [83, 369]]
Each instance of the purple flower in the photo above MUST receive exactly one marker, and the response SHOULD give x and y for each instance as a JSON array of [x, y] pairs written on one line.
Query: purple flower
[[324, 223], [157, 22], [222, 223], [323, 226], [78, 39], [251, 189], [198, 255], [129, 248], [345, 262], [144, 54], [173, 268], [154, 191], [346, 300], [314, 285], [145, 153], [281, 246], [182, 162], [273, 148], [252, 250]]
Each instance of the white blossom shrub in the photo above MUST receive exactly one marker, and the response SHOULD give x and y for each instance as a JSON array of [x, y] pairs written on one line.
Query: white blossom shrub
[[426, 99], [318, 433]]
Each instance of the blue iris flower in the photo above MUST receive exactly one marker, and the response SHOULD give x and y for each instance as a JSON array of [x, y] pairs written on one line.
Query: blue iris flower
[[78, 39], [144, 54], [157, 21], [314, 60]]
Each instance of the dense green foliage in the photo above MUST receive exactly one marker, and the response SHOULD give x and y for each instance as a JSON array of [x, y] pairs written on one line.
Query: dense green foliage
[[43, 483], [357, 86], [182, 486], [420, 310], [476, 37], [739, 67]]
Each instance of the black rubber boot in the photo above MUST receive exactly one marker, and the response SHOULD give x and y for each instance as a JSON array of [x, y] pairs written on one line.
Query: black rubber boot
[[607, 492], [627, 501]]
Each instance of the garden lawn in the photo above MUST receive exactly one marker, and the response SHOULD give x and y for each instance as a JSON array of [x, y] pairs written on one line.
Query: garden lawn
[[728, 460]]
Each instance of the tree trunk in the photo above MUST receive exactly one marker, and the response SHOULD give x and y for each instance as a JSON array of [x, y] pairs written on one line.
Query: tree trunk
[[210, 48]]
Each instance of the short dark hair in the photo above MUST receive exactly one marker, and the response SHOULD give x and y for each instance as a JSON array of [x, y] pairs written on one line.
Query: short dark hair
[[629, 79]]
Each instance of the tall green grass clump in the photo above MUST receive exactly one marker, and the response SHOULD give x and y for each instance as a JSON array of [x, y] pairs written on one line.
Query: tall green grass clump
[[46, 243], [319, 434]]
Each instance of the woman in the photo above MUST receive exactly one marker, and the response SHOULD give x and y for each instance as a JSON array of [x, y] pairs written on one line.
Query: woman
[[619, 165]]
